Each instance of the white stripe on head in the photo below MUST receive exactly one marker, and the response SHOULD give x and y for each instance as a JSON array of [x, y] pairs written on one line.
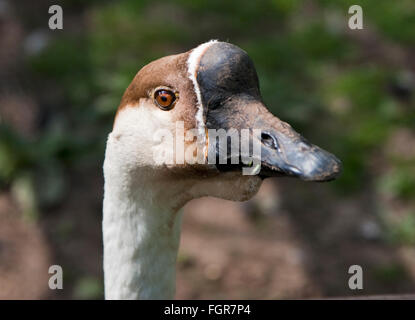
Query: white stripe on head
[[192, 64]]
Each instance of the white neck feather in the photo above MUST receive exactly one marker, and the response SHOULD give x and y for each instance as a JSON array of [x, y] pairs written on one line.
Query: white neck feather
[[141, 235]]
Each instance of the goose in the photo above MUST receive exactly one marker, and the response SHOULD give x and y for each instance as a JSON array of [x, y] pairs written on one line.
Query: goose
[[213, 86]]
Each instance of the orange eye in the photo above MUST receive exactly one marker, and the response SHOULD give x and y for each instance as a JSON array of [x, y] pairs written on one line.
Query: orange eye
[[165, 99]]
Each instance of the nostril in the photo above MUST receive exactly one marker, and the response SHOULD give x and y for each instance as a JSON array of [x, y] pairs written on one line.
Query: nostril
[[269, 140], [304, 147]]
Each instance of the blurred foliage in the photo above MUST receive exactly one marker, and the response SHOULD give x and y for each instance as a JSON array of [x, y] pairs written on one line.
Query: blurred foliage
[[403, 232], [389, 273], [399, 184], [313, 74], [88, 288]]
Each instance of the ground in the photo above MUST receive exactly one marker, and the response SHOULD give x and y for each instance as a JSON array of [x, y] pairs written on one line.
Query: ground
[[266, 248]]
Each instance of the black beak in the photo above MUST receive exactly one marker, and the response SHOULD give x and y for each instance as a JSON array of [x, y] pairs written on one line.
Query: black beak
[[283, 152], [294, 156]]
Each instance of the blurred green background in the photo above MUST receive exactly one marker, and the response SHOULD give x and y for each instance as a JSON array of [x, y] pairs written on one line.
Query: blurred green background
[[350, 91]]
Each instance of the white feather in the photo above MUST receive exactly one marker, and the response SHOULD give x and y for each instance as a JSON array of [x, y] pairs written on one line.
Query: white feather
[[193, 63]]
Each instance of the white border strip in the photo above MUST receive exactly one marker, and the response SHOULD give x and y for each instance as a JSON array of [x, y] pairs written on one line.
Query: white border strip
[[192, 65]]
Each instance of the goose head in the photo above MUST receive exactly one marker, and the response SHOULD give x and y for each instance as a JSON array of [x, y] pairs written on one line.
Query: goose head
[[214, 86]]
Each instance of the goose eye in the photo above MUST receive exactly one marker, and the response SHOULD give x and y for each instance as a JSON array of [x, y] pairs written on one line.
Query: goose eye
[[165, 99]]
